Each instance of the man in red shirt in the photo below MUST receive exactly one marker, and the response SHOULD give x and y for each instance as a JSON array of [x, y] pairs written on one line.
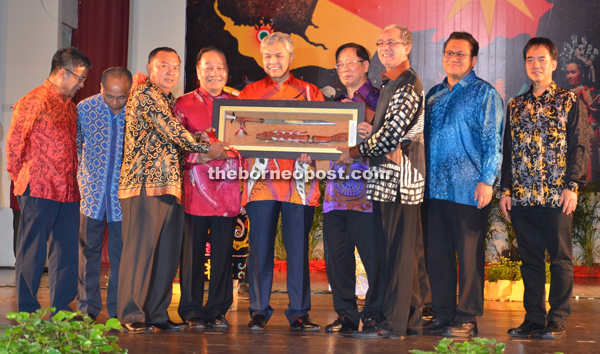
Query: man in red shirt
[[265, 199], [42, 161], [209, 204]]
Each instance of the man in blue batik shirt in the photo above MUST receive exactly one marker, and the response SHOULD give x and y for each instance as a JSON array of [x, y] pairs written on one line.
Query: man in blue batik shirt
[[463, 133], [100, 127]]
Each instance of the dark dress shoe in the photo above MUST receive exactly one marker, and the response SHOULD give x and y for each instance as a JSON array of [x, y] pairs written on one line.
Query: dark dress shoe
[[341, 324], [375, 332], [196, 322], [526, 329], [304, 323], [80, 318], [434, 327], [137, 327], [218, 322], [461, 330], [257, 323], [171, 326], [553, 330]]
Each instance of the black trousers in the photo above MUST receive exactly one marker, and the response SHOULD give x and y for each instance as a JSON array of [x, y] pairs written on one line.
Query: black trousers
[[540, 228], [456, 229], [296, 221], [152, 239], [191, 269], [423, 274], [400, 225], [342, 231], [46, 226], [91, 236]]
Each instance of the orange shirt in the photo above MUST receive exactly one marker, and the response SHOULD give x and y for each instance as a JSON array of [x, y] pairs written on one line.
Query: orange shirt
[[292, 191], [41, 147]]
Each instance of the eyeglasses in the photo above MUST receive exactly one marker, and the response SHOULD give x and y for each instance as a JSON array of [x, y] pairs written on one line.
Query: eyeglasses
[[349, 64], [389, 42], [459, 55], [81, 79]]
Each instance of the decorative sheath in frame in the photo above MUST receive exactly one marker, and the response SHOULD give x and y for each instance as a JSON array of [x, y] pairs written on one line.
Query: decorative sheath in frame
[[287, 129]]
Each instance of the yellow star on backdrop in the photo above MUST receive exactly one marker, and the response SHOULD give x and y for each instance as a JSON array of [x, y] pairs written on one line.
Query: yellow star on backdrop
[[488, 8]]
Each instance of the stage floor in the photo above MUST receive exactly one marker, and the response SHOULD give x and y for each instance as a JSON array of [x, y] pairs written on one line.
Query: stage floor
[[582, 335]]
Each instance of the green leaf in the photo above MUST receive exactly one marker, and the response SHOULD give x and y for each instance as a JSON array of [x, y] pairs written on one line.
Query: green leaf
[[113, 323], [59, 316], [12, 315]]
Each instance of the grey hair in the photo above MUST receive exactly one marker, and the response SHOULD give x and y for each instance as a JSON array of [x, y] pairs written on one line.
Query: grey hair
[[278, 37], [405, 35]]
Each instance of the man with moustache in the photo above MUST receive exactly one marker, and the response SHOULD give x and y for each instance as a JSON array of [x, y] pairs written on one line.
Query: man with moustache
[[544, 163], [41, 156], [265, 199], [348, 215], [395, 148], [151, 191], [463, 131], [210, 204], [100, 125]]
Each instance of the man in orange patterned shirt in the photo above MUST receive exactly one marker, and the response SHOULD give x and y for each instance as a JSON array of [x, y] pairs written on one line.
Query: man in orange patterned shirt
[[266, 198], [42, 161]]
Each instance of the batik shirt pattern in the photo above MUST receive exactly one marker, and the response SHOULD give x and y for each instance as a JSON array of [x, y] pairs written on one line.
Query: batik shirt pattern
[[545, 147], [40, 147], [154, 144], [351, 194]]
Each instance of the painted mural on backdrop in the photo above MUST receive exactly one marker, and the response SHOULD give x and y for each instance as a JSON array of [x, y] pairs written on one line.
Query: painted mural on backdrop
[[319, 27]]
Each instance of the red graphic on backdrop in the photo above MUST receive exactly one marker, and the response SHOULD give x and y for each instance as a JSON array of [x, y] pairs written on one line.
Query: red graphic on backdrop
[[485, 19]]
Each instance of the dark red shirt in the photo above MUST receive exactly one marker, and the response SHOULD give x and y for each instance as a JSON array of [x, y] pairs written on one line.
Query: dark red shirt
[[41, 145]]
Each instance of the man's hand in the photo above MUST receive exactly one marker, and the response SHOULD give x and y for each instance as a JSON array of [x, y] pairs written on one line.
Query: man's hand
[[304, 158], [345, 158], [202, 158], [568, 200], [364, 130], [216, 152], [505, 205], [483, 194]]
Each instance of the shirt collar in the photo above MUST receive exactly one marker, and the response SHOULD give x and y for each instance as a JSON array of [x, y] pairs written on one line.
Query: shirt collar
[[204, 92], [289, 81], [550, 91], [363, 90], [466, 81], [53, 90], [396, 71]]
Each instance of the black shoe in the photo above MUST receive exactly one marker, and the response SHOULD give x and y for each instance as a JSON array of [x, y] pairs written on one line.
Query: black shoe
[[80, 318], [413, 332], [434, 327], [553, 330], [218, 322], [196, 322], [369, 325], [341, 324], [375, 332], [304, 323], [526, 329], [169, 325], [257, 323], [461, 330], [137, 327]]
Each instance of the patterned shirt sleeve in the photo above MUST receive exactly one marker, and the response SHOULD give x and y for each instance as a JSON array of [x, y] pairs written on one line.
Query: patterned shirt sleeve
[[162, 120], [491, 121], [400, 113], [577, 146], [506, 174]]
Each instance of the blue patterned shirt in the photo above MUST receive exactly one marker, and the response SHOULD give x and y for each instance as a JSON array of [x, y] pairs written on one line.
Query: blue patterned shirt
[[463, 136], [100, 150]]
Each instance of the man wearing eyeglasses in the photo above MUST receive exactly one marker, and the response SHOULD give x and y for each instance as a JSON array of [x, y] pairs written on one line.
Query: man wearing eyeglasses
[[42, 162], [463, 131], [348, 215], [395, 147]]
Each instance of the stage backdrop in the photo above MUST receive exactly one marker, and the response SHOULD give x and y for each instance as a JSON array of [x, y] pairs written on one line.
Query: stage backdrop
[[319, 27]]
